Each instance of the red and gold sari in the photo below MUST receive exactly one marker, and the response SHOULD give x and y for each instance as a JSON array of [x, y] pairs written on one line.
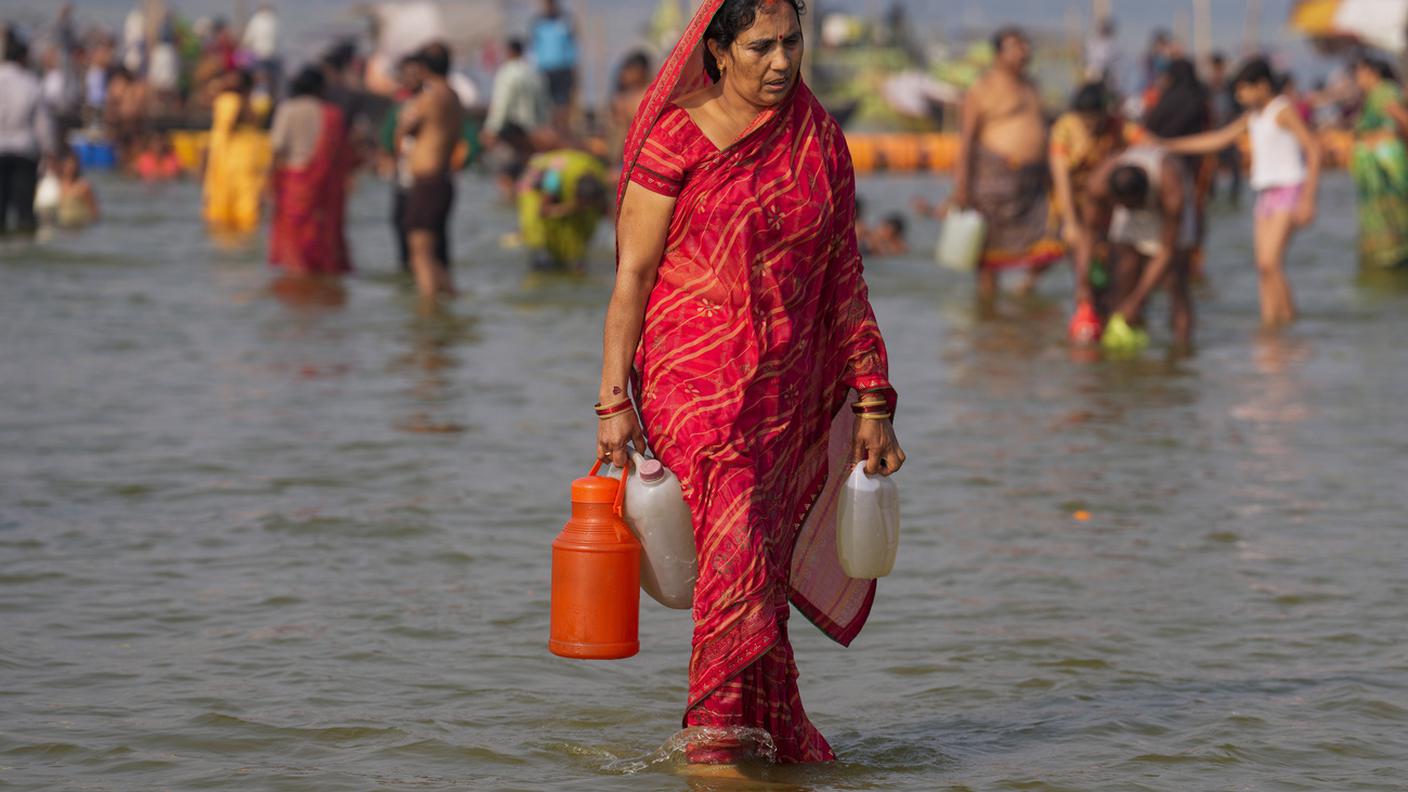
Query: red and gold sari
[[306, 237], [758, 329]]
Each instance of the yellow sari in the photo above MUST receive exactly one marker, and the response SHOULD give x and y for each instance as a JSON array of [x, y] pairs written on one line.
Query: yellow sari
[[237, 162]]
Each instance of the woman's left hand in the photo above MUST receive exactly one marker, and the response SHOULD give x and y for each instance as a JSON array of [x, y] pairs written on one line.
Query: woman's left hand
[[875, 444]]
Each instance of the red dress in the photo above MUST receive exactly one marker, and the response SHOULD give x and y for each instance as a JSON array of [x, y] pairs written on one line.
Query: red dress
[[757, 333]]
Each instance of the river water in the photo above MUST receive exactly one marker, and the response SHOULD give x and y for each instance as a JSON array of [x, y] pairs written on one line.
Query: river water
[[259, 538]]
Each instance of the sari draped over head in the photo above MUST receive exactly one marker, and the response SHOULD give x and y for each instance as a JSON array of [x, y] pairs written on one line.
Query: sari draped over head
[[757, 331], [307, 236]]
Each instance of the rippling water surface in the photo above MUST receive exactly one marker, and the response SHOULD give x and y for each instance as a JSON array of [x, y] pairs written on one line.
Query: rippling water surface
[[253, 537]]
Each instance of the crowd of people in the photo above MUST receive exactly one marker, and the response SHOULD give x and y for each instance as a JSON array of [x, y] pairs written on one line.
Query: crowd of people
[[1119, 185]]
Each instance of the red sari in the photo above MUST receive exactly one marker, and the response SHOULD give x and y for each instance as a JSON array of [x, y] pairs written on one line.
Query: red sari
[[758, 330], [306, 237]]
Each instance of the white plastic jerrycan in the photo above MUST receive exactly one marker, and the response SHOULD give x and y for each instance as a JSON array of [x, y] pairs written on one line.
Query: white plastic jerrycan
[[659, 517], [961, 240], [868, 525]]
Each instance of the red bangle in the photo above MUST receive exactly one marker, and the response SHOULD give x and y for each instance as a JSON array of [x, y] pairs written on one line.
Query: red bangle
[[615, 410]]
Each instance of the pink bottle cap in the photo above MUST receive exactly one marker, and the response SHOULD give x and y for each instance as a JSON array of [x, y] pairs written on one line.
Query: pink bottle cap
[[651, 471]]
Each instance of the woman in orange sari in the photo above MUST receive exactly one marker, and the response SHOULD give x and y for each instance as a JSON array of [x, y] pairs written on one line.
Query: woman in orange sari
[[312, 159], [738, 330]]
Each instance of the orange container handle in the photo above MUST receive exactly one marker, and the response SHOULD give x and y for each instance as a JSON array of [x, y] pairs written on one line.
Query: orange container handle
[[618, 506]]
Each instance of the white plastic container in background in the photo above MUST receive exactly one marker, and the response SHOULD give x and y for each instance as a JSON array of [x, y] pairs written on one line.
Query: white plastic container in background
[[868, 525], [659, 517], [46, 197], [961, 240]]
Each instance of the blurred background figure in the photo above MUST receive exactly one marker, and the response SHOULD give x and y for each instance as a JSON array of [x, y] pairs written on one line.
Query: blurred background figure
[[1102, 54], [1380, 166], [1224, 110], [23, 136], [236, 160], [77, 202], [312, 164], [157, 161], [554, 37], [561, 200], [633, 77], [430, 128], [1082, 139], [519, 106], [261, 41]]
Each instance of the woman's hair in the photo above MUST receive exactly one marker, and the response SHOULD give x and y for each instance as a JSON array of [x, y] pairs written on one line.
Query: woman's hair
[[308, 82], [1183, 105], [734, 17], [1379, 65], [1091, 98], [1258, 70]]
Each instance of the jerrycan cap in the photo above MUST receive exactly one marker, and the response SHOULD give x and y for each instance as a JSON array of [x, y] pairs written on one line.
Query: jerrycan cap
[[595, 489], [599, 489], [651, 471]]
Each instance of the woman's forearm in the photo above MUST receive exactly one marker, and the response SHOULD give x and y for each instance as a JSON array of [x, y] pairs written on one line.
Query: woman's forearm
[[1061, 180], [625, 316]]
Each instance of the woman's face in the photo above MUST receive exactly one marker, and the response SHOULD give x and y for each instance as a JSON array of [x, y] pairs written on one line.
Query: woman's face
[[762, 64], [1365, 76]]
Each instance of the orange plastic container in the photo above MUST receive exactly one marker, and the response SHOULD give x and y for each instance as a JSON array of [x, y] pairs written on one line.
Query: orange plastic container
[[595, 576]]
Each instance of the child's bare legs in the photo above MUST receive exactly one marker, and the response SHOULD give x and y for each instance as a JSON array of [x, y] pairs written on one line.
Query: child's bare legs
[[1270, 239]]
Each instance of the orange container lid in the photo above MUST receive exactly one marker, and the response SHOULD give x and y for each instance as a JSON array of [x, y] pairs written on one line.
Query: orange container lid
[[595, 489]]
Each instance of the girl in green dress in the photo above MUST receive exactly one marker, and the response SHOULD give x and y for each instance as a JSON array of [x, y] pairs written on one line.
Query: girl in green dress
[[1380, 167]]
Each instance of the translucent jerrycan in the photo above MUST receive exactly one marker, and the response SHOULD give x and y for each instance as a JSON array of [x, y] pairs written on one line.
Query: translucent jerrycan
[[595, 576], [868, 525], [961, 240], [657, 514]]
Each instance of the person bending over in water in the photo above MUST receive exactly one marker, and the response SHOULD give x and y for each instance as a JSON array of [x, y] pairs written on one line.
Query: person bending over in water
[[1002, 168], [561, 201], [1083, 139], [1143, 205], [1285, 176], [434, 119]]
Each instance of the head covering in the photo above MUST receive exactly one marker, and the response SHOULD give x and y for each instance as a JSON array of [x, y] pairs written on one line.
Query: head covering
[[681, 74]]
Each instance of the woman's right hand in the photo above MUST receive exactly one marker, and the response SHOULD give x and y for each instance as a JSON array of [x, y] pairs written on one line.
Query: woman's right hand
[[614, 434]]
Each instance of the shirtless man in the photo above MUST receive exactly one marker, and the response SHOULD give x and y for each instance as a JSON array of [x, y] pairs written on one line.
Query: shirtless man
[[430, 125], [1144, 204], [1002, 169]]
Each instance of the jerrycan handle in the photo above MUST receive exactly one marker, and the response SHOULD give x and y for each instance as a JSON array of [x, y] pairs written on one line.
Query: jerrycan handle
[[616, 508]]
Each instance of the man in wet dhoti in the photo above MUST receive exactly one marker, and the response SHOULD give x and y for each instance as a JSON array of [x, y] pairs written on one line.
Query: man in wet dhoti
[[1002, 169], [431, 125], [1144, 205]]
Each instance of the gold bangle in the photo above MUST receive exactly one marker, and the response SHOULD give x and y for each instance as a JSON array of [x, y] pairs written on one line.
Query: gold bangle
[[875, 416]]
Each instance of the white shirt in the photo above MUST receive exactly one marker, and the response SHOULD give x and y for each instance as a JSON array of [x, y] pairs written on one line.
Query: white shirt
[[519, 97], [1277, 159], [21, 111], [261, 35]]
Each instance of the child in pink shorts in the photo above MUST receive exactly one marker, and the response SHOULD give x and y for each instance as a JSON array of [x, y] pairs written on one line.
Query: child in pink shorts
[[1285, 175]]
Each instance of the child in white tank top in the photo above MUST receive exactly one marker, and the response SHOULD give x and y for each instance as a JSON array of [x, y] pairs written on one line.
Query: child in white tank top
[[1285, 174]]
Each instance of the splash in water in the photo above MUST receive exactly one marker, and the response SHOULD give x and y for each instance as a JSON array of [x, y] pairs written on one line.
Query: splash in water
[[748, 744]]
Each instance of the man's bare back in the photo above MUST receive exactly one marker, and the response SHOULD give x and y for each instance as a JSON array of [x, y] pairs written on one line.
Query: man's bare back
[[436, 119], [1010, 119]]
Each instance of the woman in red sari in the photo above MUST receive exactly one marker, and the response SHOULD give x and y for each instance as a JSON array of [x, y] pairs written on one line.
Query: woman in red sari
[[312, 159], [739, 328]]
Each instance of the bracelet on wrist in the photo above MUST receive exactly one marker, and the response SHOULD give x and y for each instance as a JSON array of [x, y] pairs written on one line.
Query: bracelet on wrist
[[614, 410]]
